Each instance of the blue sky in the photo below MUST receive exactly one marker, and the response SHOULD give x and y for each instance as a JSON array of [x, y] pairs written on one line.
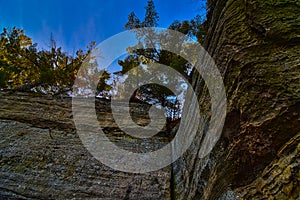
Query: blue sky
[[74, 24]]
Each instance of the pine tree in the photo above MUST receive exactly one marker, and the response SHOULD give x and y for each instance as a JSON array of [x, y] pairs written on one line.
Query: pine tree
[[151, 16], [133, 22]]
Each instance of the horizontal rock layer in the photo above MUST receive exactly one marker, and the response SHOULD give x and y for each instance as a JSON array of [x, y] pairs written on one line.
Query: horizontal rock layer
[[42, 157]]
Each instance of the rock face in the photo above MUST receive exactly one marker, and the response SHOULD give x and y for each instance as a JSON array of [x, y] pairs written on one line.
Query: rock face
[[42, 157], [280, 179], [256, 46]]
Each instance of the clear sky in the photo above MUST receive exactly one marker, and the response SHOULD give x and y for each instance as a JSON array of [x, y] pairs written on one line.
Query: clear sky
[[74, 24]]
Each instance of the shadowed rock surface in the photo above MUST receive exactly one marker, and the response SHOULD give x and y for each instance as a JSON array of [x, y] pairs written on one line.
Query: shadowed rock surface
[[42, 157], [256, 46]]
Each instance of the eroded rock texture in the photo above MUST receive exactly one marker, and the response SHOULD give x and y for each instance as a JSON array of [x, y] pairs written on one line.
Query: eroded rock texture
[[256, 46], [42, 157]]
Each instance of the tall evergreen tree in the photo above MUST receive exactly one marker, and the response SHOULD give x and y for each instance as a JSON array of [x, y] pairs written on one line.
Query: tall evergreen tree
[[151, 16], [133, 22]]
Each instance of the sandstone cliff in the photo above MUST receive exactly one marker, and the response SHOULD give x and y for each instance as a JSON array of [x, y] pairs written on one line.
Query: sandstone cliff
[[256, 46], [42, 157]]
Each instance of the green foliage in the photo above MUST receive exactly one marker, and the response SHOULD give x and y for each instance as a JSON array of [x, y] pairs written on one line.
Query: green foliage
[[150, 20], [151, 16], [24, 67], [16, 58], [133, 22], [193, 28], [102, 86], [146, 54]]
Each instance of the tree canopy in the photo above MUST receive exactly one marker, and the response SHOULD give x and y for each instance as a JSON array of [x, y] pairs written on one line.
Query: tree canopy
[[146, 54], [24, 67]]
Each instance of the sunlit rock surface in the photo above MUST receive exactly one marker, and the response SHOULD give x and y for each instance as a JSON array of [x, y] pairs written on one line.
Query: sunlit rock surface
[[41, 155], [255, 45]]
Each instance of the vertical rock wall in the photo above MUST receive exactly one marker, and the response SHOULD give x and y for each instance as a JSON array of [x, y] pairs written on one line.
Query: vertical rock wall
[[256, 46]]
